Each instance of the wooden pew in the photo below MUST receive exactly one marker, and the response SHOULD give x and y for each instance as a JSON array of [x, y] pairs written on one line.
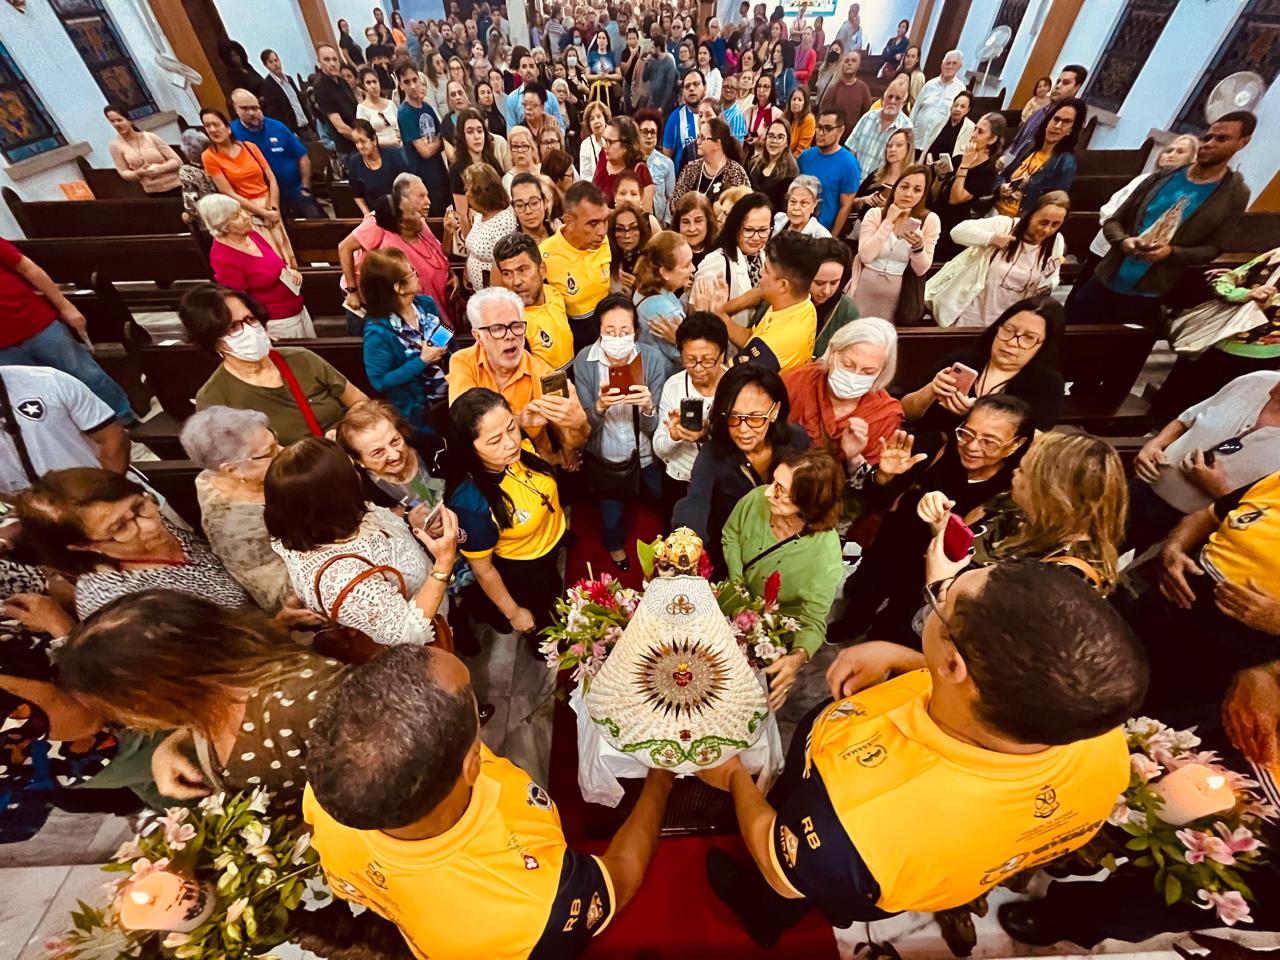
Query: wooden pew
[[162, 258], [107, 184], [316, 241], [175, 480], [95, 218], [1128, 163], [343, 200]]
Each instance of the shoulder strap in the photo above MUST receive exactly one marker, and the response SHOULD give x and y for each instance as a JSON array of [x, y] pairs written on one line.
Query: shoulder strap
[[1082, 567], [373, 571], [299, 398], [764, 553], [12, 427]]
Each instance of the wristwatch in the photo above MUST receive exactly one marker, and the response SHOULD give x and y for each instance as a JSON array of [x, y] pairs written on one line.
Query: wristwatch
[[445, 578]]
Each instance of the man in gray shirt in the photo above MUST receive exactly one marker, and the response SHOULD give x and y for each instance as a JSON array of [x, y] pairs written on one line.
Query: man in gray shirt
[[660, 73]]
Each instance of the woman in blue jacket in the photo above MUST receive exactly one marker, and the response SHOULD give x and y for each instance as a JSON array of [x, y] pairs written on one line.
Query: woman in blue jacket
[[1047, 163], [404, 340]]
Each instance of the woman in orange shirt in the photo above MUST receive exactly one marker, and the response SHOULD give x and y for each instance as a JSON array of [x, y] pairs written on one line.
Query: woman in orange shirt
[[239, 170]]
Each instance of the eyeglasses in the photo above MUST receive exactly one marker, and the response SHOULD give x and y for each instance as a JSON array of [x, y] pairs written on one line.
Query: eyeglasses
[[611, 141], [1024, 340], [521, 206], [756, 232], [521, 146], [696, 363], [935, 594], [127, 527], [753, 420], [620, 229], [500, 331], [237, 326], [412, 274], [985, 444], [828, 127], [780, 493]]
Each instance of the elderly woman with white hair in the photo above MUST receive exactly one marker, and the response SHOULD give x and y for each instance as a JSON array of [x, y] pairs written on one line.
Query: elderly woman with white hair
[[802, 203], [243, 260], [840, 399], [233, 448]]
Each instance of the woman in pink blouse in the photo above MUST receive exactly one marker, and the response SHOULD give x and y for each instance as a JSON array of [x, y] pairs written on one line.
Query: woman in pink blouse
[[399, 221], [142, 158], [243, 260]]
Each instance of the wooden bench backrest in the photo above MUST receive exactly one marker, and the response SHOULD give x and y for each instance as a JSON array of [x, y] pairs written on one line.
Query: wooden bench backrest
[[107, 184], [177, 371], [96, 218], [162, 258]]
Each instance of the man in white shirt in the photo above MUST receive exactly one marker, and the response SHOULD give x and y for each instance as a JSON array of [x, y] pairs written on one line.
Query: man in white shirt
[[934, 103], [52, 421], [281, 100]]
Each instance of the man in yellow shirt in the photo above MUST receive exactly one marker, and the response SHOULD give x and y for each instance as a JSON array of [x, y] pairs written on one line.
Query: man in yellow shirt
[[578, 258], [415, 819], [1218, 602], [998, 749], [783, 339], [499, 362], [523, 272]]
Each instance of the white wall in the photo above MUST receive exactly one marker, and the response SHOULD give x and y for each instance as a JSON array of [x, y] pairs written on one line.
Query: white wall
[[44, 53], [358, 13], [277, 24]]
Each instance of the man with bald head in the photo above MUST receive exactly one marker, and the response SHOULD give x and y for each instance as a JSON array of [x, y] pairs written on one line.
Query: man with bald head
[[416, 819], [286, 154]]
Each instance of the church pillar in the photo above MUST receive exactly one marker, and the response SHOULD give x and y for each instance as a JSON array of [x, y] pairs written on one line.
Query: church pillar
[[1049, 43]]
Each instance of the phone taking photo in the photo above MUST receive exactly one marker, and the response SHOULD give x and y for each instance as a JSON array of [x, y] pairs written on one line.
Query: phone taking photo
[[964, 376], [957, 538], [691, 414], [556, 382]]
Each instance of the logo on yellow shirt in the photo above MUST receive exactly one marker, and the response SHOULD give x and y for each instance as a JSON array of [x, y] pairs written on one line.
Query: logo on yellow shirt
[[847, 708], [790, 844], [545, 338], [869, 753], [537, 797], [1046, 802], [570, 284], [375, 875]]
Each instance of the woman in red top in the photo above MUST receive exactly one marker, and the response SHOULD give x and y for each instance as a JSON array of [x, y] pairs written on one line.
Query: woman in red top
[[761, 113], [241, 172], [243, 260], [622, 154], [840, 399]]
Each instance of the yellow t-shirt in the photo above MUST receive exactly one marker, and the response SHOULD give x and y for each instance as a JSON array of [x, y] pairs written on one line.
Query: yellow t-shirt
[[538, 520], [896, 814], [783, 339], [500, 883], [1244, 548], [581, 276], [548, 335]]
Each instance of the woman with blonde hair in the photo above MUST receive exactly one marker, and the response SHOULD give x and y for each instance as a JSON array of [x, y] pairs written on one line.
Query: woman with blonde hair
[[1067, 505], [525, 155], [663, 272]]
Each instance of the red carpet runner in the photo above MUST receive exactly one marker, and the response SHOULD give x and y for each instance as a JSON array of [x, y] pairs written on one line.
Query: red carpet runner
[[675, 916]]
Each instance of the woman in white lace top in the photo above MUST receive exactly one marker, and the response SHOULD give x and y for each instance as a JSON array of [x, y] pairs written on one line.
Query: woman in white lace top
[[329, 536]]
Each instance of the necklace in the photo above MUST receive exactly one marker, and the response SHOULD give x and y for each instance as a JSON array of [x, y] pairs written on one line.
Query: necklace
[[546, 500]]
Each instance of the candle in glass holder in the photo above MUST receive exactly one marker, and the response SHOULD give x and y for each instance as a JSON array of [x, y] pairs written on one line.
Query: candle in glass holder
[[166, 901], [1192, 792]]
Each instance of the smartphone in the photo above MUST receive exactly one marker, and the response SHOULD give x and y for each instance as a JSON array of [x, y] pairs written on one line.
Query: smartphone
[[945, 164], [964, 376], [691, 414], [914, 223], [556, 382], [622, 376], [432, 518], [957, 538], [440, 336]]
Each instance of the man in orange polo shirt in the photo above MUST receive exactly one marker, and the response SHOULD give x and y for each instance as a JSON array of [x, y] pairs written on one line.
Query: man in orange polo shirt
[[500, 362]]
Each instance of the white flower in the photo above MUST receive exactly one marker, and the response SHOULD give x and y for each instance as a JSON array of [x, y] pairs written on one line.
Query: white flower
[[300, 846], [1143, 727], [261, 798], [235, 910], [176, 940], [176, 830], [1146, 768], [1120, 813], [212, 805], [256, 839], [221, 860], [129, 850], [316, 894]]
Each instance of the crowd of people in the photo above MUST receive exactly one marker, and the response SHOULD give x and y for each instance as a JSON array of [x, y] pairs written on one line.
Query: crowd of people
[[645, 265]]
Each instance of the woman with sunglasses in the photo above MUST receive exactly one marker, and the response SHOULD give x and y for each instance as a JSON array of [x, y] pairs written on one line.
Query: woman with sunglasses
[[747, 436], [969, 465], [1227, 442], [1016, 355]]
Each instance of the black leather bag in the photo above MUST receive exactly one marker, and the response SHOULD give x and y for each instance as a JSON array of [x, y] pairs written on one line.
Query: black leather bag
[[607, 480]]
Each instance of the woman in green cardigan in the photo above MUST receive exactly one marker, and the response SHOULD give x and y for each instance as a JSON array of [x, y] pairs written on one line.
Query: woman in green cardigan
[[788, 526]]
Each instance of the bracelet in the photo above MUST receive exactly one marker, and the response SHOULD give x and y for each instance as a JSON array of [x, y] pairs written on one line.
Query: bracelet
[[445, 578]]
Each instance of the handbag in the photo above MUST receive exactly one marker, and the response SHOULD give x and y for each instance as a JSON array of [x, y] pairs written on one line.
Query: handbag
[[1195, 331], [351, 644], [607, 480], [954, 287], [909, 311]]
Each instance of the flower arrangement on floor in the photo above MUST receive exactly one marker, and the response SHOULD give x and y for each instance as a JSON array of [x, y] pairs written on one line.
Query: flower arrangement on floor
[[591, 616], [1189, 819], [219, 880]]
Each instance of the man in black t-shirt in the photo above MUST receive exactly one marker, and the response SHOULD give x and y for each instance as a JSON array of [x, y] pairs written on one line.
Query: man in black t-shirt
[[336, 100]]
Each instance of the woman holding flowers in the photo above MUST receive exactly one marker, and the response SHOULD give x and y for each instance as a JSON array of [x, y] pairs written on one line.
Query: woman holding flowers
[[781, 542]]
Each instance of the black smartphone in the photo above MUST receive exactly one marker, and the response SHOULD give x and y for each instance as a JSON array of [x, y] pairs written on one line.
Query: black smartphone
[[691, 414]]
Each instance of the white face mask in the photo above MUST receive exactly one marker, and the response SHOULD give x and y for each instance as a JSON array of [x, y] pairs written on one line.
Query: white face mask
[[572, 61], [849, 386], [617, 348], [251, 343]]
